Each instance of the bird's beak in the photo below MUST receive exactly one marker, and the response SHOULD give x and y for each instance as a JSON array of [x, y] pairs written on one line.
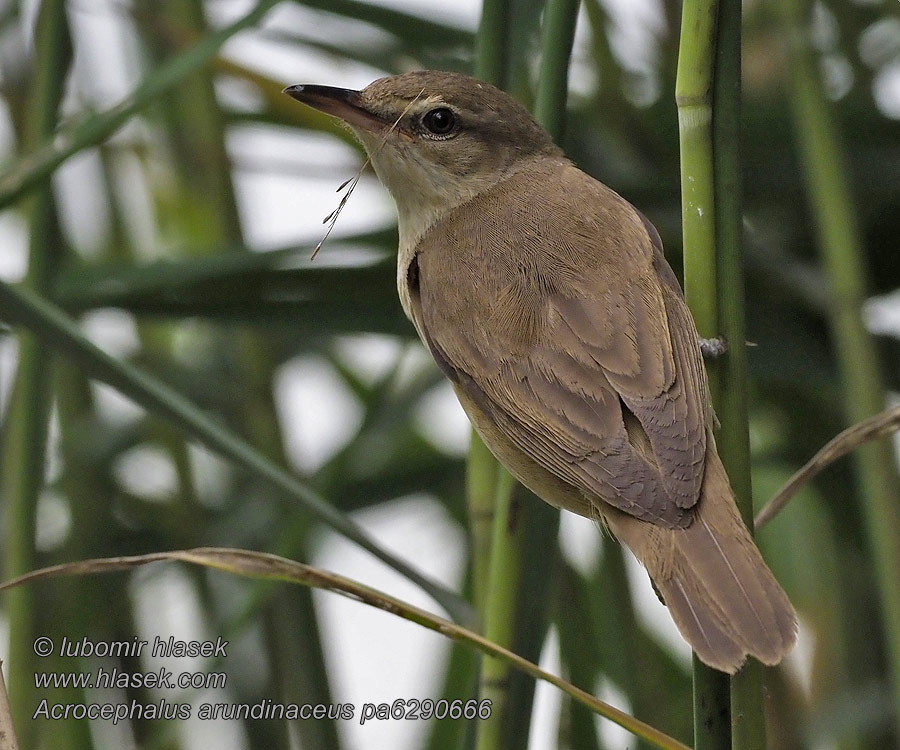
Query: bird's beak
[[344, 103]]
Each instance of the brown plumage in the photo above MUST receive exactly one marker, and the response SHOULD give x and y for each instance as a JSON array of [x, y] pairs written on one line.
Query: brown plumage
[[546, 300]]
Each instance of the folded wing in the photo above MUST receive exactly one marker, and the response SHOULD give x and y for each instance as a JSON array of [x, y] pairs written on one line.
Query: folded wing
[[581, 361]]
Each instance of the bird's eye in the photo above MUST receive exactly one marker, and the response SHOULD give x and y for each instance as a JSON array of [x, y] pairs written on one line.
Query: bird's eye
[[440, 121]]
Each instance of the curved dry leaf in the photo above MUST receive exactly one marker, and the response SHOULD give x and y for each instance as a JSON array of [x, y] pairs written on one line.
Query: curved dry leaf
[[878, 426], [268, 566]]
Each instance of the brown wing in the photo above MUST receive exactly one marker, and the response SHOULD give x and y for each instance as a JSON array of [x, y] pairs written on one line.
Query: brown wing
[[564, 331]]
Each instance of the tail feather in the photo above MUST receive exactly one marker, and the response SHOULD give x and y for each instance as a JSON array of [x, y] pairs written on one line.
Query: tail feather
[[707, 631], [722, 596]]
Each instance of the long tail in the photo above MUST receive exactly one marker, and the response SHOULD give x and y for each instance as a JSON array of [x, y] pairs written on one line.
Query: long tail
[[722, 596]]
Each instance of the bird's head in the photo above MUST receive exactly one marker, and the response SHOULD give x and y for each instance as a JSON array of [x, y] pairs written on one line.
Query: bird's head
[[435, 139]]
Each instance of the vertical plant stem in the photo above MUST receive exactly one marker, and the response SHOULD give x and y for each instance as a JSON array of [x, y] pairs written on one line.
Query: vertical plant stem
[[841, 247], [89, 492], [733, 438], [553, 88], [513, 520], [489, 485], [712, 708], [492, 42], [500, 608], [25, 437], [540, 574], [481, 494], [694, 94]]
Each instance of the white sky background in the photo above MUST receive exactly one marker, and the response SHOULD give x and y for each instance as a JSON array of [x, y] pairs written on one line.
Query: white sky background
[[372, 656]]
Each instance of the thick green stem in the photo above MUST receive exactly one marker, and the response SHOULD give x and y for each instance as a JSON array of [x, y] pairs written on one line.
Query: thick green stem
[[481, 495], [733, 436], [504, 622], [491, 44], [842, 252], [730, 399], [559, 35], [694, 91], [489, 485], [693, 95], [500, 608], [22, 460]]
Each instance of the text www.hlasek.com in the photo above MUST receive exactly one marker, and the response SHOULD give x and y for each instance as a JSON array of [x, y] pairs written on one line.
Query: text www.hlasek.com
[[116, 678], [106, 678]]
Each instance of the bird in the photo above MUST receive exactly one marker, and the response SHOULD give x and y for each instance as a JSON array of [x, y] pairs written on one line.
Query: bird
[[545, 298]]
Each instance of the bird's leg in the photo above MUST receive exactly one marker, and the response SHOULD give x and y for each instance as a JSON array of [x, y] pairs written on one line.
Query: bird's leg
[[714, 348]]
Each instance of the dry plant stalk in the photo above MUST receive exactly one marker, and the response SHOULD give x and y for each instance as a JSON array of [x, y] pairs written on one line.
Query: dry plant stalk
[[880, 425], [332, 218], [263, 565]]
